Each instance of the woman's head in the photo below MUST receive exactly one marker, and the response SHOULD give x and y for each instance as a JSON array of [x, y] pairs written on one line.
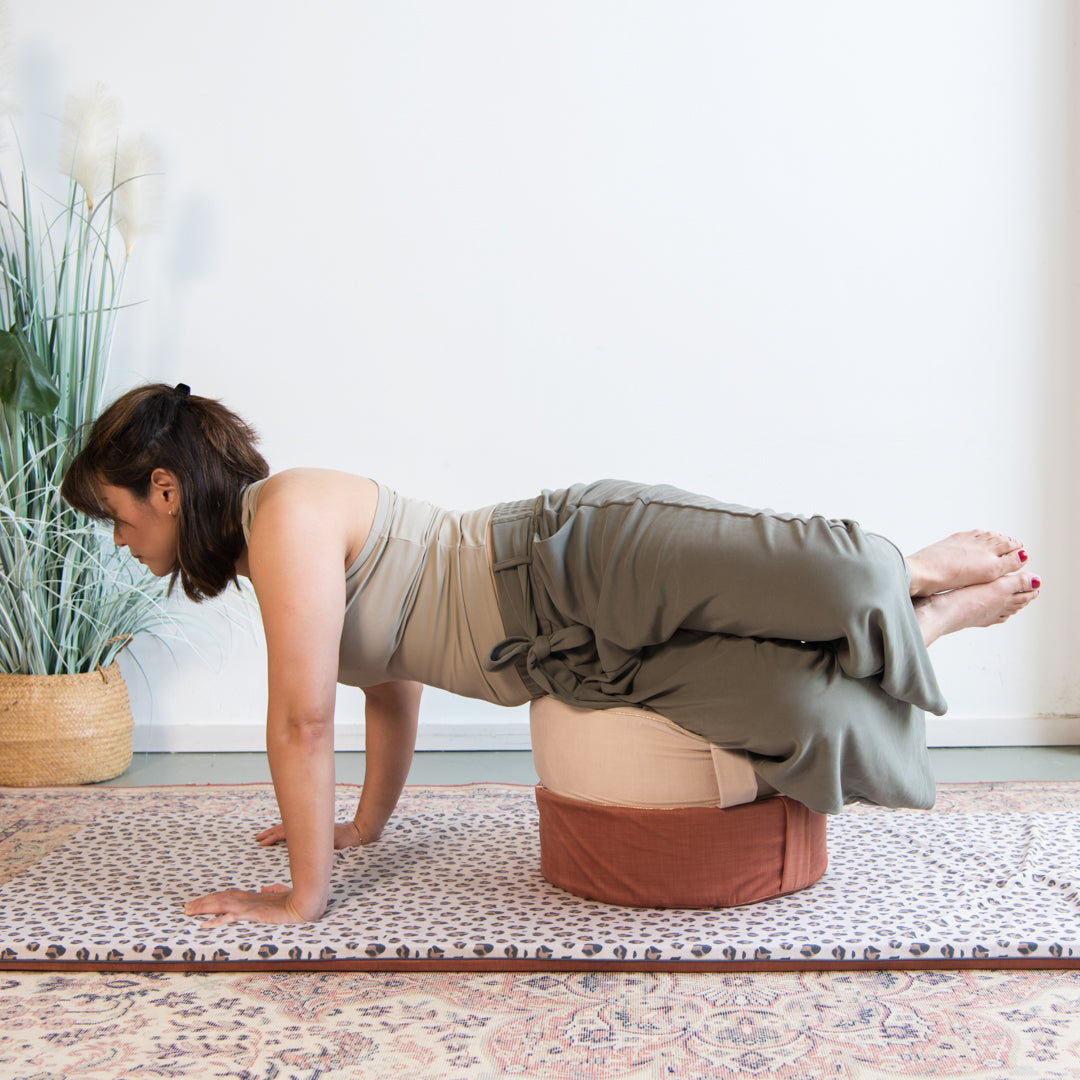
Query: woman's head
[[160, 449]]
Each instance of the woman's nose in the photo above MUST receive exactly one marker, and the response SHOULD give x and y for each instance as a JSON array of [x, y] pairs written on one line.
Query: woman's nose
[[117, 539]]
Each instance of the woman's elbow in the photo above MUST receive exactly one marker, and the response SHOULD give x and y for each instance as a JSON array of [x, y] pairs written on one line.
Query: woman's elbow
[[394, 695], [301, 727]]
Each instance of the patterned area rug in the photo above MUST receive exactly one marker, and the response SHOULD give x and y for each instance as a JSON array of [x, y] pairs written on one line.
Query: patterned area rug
[[97, 877], [860, 1025]]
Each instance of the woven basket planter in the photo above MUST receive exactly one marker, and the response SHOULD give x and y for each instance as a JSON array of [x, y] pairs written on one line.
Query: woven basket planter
[[64, 729]]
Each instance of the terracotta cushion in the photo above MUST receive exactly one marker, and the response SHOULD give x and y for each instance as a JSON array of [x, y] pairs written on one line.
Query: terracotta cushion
[[688, 857]]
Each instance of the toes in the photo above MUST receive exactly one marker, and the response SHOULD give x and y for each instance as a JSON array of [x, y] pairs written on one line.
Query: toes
[[1025, 587], [1004, 545], [1010, 550], [1022, 583], [1014, 560]]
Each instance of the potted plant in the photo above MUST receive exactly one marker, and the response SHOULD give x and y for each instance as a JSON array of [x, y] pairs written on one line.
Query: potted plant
[[68, 601]]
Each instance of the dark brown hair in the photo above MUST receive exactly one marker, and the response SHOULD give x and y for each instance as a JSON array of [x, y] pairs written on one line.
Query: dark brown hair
[[209, 450]]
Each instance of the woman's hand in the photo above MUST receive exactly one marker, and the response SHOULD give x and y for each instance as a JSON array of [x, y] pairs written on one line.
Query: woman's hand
[[271, 905], [346, 835]]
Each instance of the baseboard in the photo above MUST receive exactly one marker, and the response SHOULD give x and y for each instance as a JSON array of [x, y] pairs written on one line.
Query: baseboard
[[247, 738], [1003, 731], [513, 734]]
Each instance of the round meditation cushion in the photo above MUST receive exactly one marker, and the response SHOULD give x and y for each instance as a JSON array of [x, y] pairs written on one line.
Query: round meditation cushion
[[683, 857]]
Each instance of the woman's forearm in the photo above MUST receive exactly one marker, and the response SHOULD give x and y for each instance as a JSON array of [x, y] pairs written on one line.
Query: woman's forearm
[[390, 718], [302, 767]]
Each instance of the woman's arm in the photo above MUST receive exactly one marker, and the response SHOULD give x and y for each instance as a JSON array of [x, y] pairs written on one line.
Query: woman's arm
[[296, 562], [391, 712], [390, 716]]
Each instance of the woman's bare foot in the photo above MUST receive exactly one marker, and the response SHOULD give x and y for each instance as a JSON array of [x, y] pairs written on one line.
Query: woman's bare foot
[[975, 605], [963, 559]]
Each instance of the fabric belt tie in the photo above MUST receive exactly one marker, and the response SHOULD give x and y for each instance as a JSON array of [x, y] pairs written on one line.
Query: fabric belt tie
[[541, 667], [529, 654]]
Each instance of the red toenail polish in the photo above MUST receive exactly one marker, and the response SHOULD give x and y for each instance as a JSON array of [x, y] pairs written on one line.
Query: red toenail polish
[[1036, 583], [1023, 555]]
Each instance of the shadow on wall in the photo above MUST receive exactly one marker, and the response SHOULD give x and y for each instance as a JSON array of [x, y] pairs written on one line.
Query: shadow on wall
[[1055, 392]]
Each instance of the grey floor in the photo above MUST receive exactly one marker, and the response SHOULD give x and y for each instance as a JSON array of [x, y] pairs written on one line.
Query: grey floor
[[454, 767]]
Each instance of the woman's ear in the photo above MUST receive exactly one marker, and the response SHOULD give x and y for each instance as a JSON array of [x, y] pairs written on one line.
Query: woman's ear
[[164, 487]]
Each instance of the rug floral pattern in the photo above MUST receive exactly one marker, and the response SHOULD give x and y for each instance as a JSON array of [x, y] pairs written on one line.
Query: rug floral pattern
[[864, 1025], [100, 876]]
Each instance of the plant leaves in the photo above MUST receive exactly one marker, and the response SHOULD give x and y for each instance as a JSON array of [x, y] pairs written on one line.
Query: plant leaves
[[24, 380]]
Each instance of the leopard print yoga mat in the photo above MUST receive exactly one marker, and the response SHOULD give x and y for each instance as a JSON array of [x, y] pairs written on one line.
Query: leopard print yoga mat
[[98, 876]]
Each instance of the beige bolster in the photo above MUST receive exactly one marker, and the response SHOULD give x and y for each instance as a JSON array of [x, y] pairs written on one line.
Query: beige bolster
[[630, 757]]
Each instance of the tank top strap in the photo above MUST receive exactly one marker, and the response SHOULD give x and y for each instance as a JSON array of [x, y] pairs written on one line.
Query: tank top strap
[[249, 499]]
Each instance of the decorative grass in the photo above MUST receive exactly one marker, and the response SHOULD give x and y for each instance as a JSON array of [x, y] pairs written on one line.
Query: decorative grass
[[68, 600]]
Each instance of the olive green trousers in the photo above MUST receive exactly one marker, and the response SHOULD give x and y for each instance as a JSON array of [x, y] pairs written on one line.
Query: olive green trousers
[[792, 638]]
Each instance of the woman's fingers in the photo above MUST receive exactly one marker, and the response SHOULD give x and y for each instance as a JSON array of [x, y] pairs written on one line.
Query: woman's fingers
[[224, 906], [274, 835], [222, 920], [267, 906]]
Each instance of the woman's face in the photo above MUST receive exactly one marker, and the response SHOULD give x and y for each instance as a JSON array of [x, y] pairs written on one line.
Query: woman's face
[[147, 527]]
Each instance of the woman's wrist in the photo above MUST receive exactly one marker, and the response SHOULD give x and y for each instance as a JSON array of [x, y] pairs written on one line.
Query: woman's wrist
[[305, 910], [368, 828]]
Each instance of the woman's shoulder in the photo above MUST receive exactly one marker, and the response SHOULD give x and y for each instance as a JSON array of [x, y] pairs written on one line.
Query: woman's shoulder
[[315, 487], [336, 507]]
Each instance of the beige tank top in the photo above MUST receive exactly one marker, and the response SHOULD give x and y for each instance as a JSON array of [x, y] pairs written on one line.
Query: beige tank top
[[420, 602]]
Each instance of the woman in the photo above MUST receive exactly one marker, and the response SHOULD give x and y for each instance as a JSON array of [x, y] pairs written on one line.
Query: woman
[[799, 641]]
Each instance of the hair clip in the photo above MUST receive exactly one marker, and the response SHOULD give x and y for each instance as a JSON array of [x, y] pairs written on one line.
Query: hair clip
[[181, 390]]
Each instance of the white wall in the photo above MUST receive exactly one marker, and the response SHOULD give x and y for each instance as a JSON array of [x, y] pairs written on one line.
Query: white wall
[[818, 256]]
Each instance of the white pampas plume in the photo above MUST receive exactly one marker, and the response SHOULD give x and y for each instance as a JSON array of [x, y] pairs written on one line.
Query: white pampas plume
[[88, 152], [137, 195]]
